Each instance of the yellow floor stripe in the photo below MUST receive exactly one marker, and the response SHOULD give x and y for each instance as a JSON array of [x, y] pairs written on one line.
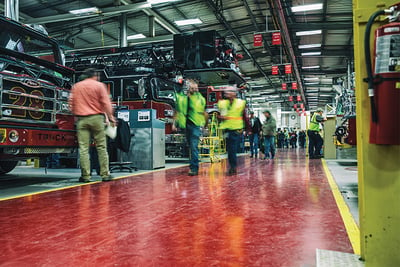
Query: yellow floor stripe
[[81, 184], [351, 226]]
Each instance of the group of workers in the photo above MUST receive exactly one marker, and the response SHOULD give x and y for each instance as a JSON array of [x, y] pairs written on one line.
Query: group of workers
[[191, 116], [91, 105]]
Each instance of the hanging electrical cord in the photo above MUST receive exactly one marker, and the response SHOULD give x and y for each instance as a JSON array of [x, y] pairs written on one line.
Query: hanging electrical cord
[[368, 64]]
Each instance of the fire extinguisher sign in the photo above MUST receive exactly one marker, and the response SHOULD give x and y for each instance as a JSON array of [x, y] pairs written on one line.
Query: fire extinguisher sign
[[388, 53]]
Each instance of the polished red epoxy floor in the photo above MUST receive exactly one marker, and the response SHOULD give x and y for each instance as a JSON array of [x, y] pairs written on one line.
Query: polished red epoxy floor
[[269, 214]]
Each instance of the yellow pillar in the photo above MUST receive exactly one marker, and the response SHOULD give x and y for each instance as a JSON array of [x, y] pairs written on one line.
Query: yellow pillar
[[378, 165], [329, 139]]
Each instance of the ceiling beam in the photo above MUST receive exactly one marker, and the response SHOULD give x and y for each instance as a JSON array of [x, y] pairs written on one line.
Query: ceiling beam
[[331, 25], [109, 11], [160, 20]]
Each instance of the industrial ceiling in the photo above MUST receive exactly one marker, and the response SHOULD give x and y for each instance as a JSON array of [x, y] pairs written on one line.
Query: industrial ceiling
[[321, 73]]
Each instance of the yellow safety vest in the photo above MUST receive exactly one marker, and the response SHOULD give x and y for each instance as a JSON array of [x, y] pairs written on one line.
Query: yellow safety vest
[[197, 106], [181, 110], [195, 113], [314, 125], [233, 114]]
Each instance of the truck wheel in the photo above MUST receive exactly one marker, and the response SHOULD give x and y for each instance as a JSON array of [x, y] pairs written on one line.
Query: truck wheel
[[7, 166]]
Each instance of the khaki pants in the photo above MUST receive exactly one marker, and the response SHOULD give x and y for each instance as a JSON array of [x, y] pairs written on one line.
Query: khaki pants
[[87, 127]]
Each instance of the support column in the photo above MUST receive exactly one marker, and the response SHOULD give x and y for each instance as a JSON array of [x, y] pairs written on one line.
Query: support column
[[329, 140], [11, 9], [122, 31], [152, 28], [378, 165]]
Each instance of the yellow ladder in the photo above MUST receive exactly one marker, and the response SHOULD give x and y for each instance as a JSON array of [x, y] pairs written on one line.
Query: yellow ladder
[[213, 145]]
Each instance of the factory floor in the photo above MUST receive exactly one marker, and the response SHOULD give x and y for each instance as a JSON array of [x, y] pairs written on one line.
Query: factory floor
[[282, 212]]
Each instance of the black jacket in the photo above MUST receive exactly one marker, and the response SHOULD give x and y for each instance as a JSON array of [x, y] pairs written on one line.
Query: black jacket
[[256, 127], [123, 139]]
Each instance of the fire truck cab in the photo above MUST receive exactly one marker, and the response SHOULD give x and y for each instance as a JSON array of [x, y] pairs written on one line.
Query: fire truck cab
[[35, 120]]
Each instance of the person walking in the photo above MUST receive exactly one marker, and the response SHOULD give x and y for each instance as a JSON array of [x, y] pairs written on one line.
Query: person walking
[[191, 115], [90, 103], [233, 121], [302, 139], [254, 134], [315, 140], [268, 131]]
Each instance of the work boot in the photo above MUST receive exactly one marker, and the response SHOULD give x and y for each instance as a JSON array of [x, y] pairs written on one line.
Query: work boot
[[232, 171], [107, 178], [84, 180], [193, 173]]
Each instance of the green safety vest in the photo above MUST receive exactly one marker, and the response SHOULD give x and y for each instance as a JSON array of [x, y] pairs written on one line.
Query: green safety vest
[[197, 106], [194, 113], [181, 110], [233, 113], [314, 125]]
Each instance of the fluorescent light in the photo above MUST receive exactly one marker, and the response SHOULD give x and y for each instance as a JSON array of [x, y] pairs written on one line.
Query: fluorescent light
[[302, 33], [309, 46], [307, 7], [188, 22], [311, 83], [311, 67], [311, 79], [135, 36], [89, 10], [311, 54]]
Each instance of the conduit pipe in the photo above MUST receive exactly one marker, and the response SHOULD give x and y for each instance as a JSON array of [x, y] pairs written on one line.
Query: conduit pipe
[[288, 44]]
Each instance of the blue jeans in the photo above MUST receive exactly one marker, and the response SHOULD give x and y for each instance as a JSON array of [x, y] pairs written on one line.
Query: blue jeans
[[269, 144], [193, 136], [253, 138], [232, 143]]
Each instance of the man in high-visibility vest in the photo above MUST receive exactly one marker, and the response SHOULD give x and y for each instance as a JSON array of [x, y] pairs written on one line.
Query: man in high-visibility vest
[[315, 140], [233, 121], [191, 115]]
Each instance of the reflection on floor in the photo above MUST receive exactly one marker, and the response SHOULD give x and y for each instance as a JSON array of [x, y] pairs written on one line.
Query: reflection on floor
[[272, 213]]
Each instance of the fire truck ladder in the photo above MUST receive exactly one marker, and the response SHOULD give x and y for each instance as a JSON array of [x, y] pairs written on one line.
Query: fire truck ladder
[[212, 146]]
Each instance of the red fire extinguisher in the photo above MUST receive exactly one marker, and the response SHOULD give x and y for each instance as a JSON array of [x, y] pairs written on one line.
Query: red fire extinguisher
[[384, 81]]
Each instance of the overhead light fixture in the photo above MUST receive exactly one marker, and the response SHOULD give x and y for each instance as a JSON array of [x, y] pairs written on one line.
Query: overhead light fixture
[[311, 67], [309, 46], [135, 36], [311, 83], [187, 22], [89, 10], [302, 33], [307, 7], [311, 54], [311, 79]]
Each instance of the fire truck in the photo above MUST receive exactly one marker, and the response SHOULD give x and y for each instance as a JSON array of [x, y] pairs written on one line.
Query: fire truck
[[35, 120], [149, 76], [140, 77]]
